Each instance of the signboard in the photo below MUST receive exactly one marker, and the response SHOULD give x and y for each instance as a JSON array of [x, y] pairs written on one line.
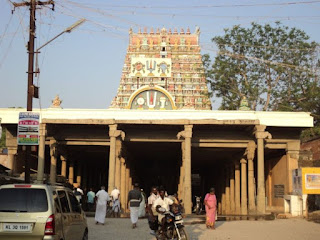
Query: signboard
[[311, 180], [297, 181], [28, 128], [278, 191], [150, 67]]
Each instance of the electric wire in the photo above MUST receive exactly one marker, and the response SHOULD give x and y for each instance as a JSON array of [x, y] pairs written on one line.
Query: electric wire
[[215, 6], [6, 29], [240, 56], [10, 44]]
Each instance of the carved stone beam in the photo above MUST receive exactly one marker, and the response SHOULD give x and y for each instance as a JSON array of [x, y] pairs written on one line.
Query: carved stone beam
[[250, 150], [114, 132], [260, 133], [186, 133]]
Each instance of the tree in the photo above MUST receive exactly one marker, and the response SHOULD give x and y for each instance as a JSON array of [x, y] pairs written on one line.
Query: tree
[[274, 67], [3, 139]]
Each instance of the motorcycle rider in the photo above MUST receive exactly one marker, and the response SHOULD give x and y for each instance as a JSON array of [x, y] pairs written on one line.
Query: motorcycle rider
[[162, 202]]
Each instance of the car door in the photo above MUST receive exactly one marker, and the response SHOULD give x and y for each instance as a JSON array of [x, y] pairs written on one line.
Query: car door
[[57, 215], [77, 217], [66, 215]]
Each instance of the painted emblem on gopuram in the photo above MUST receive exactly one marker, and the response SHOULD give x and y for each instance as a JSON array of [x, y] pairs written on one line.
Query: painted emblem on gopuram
[[152, 99], [163, 69], [151, 66], [138, 67]]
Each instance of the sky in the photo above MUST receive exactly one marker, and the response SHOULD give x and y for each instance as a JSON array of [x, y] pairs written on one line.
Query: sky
[[84, 67]]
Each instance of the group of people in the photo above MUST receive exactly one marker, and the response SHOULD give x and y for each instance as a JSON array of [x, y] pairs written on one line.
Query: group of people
[[102, 200], [137, 204]]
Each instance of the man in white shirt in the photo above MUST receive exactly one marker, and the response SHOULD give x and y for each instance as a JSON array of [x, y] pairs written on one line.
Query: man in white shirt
[[163, 202], [115, 193], [101, 209], [152, 219]]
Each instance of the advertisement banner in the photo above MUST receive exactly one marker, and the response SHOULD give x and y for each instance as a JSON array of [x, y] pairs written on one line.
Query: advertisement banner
[[311, 180], [28, 128]]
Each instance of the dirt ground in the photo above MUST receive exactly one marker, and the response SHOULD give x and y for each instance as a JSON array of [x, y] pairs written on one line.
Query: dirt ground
[[284, 229]]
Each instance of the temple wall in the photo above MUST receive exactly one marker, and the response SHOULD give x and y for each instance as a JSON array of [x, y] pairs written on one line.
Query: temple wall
[[276, 177]]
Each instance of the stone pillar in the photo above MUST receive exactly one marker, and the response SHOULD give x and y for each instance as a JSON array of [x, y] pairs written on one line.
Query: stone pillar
[[227, 191], [181, 178], [71, 172], [118, 163], [232, 191], [261, 189], [41, 152], [293, 149], [187, 134], [113, 134], [244, 209], [223, 203], [84, 180], [250, 152], [79, 168], [63, 165], [123, 192], [128, 185], [237, 188], [53, 165], [12, 151]]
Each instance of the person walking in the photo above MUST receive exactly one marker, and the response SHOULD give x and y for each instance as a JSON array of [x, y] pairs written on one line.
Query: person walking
[[142, 207], [134, 199], [210, 201], [78, 192], [101, 209], [115, 193], [90, 199]]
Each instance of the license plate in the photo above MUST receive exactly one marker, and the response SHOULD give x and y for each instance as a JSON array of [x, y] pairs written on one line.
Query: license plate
[[17, 227]]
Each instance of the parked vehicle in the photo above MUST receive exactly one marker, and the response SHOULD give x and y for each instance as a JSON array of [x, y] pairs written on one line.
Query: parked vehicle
[[174, 228], [198, 206], [39, 211]]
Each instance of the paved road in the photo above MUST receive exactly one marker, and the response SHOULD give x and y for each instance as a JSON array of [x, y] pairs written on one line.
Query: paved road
[[282, 229]]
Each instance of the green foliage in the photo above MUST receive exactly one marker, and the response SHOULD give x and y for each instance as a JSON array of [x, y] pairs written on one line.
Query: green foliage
[[3, 139], [310, 133], [273, 66]]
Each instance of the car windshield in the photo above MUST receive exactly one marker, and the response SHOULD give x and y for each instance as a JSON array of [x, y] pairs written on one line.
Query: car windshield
[[23, 200]]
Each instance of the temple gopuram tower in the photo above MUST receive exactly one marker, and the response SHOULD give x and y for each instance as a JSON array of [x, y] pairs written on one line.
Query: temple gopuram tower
[[163, 70]]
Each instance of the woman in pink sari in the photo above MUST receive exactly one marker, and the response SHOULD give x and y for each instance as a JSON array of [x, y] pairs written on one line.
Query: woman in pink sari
[[210, 201]]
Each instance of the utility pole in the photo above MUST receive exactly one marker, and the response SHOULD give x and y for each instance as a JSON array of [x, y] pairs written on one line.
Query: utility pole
[[32, 90]]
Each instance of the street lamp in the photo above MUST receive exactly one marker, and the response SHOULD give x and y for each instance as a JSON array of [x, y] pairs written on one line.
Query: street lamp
[[33, 91], [67, 30]]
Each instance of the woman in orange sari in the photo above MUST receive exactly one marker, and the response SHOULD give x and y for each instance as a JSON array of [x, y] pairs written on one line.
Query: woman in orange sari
[[210, 201]]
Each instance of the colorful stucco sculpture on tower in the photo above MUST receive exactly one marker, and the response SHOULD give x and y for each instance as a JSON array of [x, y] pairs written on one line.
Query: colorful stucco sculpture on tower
[[163, 70]]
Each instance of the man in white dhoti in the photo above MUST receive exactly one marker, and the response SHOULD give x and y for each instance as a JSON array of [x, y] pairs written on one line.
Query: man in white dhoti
[[101, 209], [115, 193], [134, 199]]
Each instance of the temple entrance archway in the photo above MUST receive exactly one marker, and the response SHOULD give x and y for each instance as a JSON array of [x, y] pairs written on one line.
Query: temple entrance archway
[[155, 164]]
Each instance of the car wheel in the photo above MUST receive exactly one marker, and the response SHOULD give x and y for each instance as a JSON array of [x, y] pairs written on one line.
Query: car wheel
[[85, 235]]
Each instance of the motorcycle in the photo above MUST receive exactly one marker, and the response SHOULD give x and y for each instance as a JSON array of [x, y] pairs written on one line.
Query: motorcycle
[[198, 206], [174, 228]]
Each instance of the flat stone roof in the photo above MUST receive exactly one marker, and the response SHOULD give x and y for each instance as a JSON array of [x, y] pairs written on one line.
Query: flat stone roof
[[109, 116]]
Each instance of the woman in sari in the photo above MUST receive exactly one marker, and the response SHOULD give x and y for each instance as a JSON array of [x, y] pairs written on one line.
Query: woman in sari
[[210, 201]]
